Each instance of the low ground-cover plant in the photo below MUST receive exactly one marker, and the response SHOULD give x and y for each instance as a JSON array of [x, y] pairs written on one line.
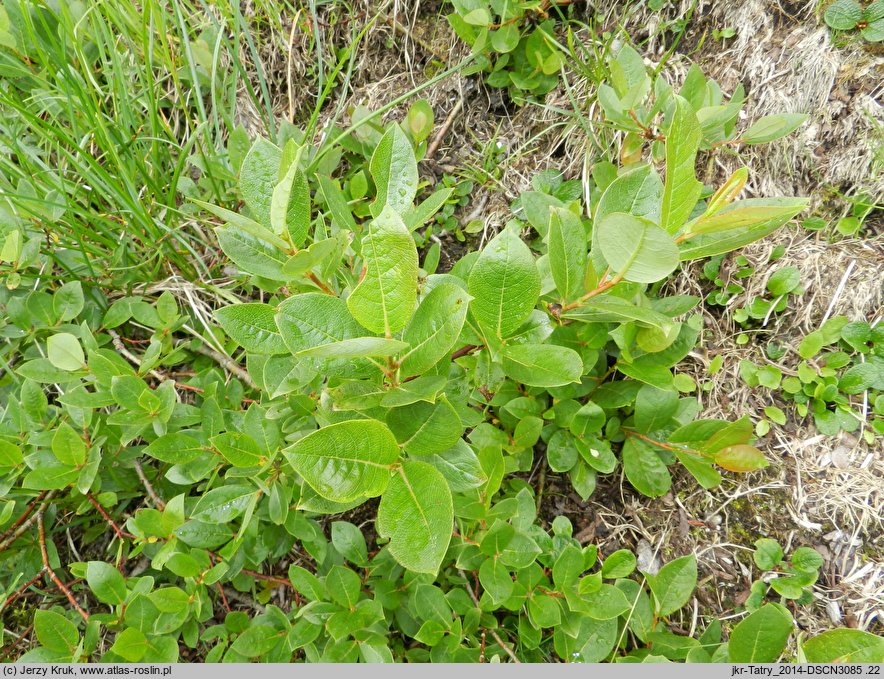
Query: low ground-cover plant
[[643, 105], [850, 15], [175, 505], [791, 579], [838, 382], [406, 363], [514, 43]]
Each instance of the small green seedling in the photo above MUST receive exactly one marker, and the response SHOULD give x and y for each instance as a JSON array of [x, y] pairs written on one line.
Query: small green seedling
[[849, 15], [791, 579], [839, 381]]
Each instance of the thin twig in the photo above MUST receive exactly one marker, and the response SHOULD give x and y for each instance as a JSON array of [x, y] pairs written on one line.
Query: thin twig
[[21, 590], [134, 360], [45, 554], [494, 634], [313, 278], [22, 523], [119, 531], [158, 503], [463, 351], [440, 135], [227, 363]]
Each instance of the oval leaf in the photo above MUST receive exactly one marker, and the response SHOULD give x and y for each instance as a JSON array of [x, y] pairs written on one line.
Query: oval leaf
[[346, 461], [761, 637], [636, 249], [394, 170], [567, 252], [253, 327], [384, 300], [542, 365], [740, 458], [504, 283], [416, 514], [434, 328]]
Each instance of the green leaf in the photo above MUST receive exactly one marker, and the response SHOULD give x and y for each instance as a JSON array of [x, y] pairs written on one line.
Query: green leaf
[[644, 469], [349, 542], [420, 120], [346, 461], [51, 478], [416, 514], [343, 586], [566, 241], [636, 249], [741, 458], [251, 253], [537, 207], [495, 579], [258, 640], [568, 568], [223, 504], [478, 17], [423, 212], [130, 645], [238, 449], [434, 328], [68, 446], [844, 646], [544, 611], [610, 309], [253, 327], [505, 39], [175, 448], [337, 203], [106, 583], [654, 408], [752, 213], [394, 170], [258, 176], [385, 298], [504, 283], [561, 451], [674, 584], [65, 353], [290, 204], [56, 632], [620, 564], [542, 365], [806, 560], [843, 15], [10, 454], [769, 128], [356, 347], [874, 32], [243, 223], [460, 466], [426, 428], [637, 192], [314, 319], [606, 603], [681, 190], [863, 376], [761, 637], [203, 535], [738, 224], [68, 301], [768, 554]]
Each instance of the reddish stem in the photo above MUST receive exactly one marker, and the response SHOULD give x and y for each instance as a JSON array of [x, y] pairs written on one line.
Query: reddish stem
[[45, 555], [119, 531]]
